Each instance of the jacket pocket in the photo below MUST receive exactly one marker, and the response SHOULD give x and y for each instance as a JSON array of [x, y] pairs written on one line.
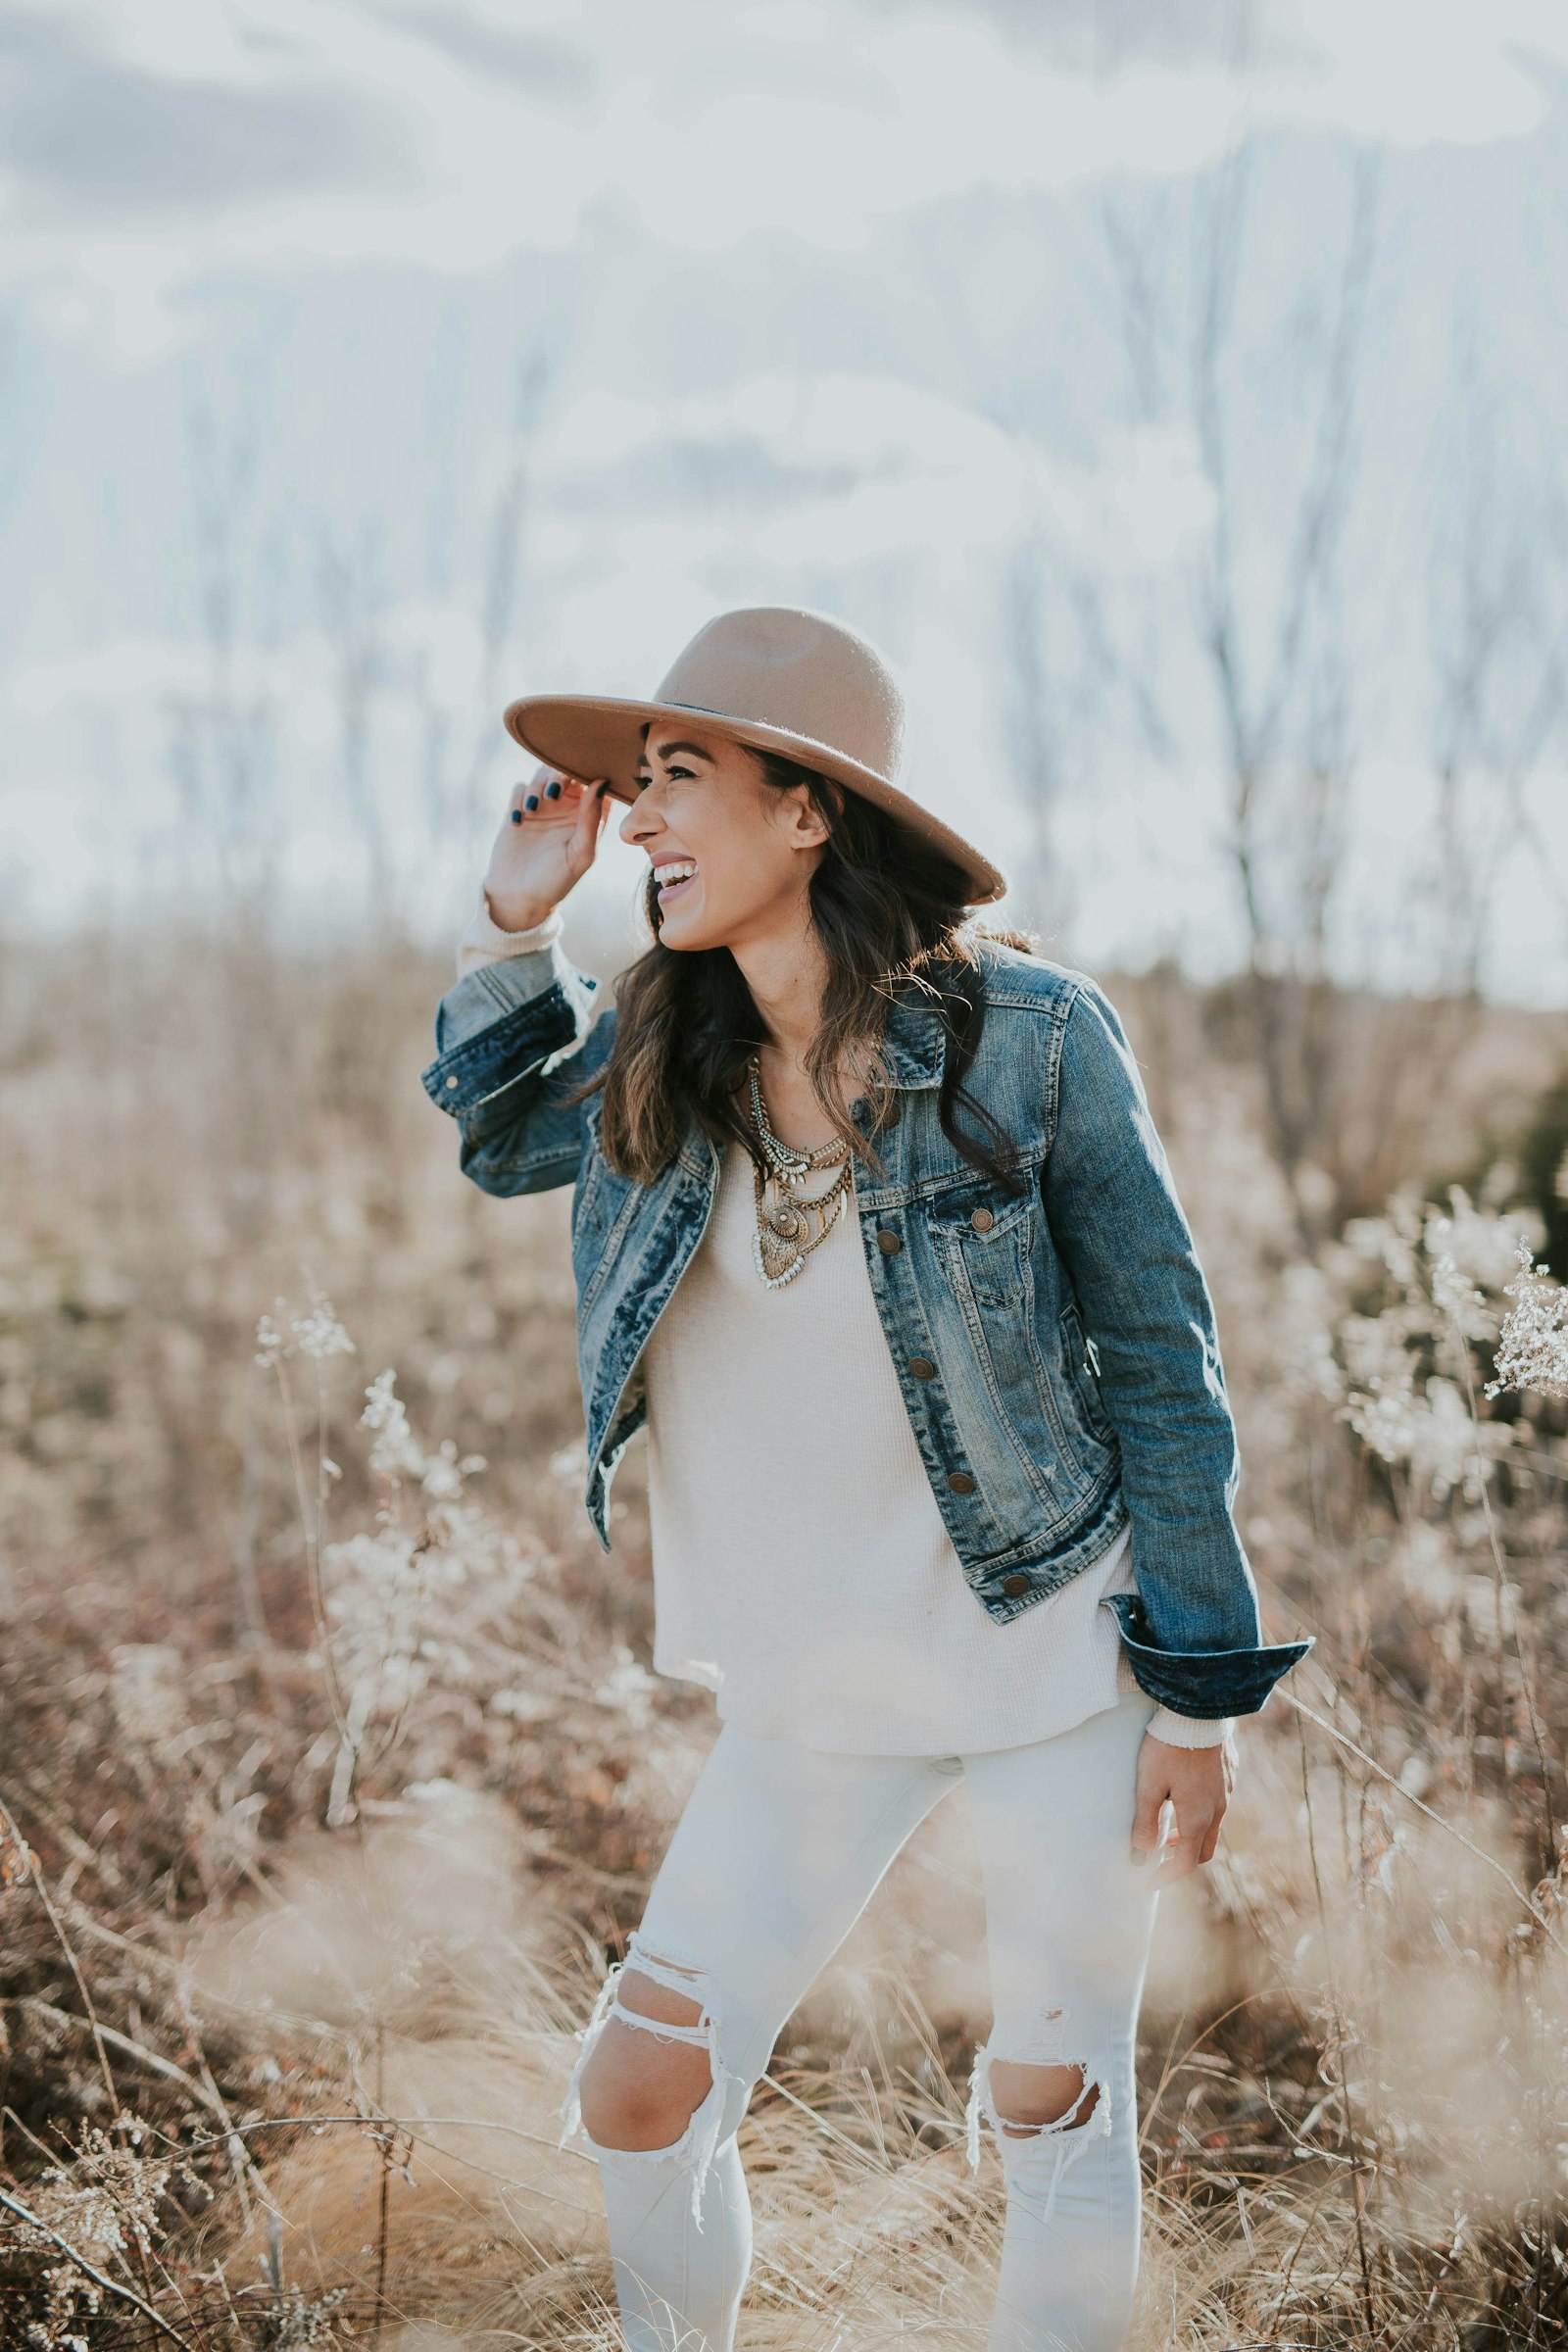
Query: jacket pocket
[[987, 1268], [1079, 1352], [989, 1258]]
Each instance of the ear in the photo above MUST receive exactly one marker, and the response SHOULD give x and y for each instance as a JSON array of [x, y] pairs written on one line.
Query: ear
[[807, 828]]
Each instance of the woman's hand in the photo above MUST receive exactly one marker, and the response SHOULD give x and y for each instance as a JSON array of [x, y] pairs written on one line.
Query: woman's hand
[[1199, 1782], [548, 840]]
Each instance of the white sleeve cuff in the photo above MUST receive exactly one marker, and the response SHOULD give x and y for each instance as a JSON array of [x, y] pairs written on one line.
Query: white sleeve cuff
[[484, 941], [1189, 1730]]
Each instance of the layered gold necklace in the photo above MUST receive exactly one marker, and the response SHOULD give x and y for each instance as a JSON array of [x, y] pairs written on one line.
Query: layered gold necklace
[[790, 1226]]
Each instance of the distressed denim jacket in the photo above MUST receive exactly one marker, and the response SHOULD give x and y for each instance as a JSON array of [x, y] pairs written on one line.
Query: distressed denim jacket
[[1055, 1351]]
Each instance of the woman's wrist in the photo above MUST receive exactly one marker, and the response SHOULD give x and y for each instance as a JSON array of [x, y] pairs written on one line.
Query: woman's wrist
[[485, 941], [1189, 1730], [513, 915]]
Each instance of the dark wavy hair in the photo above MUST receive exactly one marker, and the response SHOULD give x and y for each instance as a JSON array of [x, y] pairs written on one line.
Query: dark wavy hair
[[889, 909]]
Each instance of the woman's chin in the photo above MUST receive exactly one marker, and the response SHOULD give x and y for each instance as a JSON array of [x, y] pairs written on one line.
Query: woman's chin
[[680, 927]]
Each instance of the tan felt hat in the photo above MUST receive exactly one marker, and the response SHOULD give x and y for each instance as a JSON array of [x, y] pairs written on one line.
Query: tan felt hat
[[770, 675]]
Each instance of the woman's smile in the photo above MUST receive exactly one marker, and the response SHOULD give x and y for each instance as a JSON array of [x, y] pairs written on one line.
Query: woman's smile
[[682, 873]]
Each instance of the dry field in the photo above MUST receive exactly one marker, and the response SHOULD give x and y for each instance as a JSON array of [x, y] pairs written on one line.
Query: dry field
[[333, 1774]]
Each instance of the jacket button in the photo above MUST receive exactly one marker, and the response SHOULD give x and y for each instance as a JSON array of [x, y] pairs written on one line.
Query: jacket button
[[982, 1220], [922, 1367], [451, 1082], [888, 1244], [1012, 1586], [960, 1482]]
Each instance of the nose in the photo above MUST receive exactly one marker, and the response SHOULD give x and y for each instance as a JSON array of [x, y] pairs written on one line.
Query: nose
[[640, 819]]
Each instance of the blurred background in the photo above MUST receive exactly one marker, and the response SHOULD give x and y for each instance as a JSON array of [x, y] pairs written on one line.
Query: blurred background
[[1172, 390], [1176, 393]]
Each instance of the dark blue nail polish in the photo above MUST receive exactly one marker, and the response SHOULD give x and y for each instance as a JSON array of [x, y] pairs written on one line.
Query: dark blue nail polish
[[553, 791], [516, 816], [532, 801]]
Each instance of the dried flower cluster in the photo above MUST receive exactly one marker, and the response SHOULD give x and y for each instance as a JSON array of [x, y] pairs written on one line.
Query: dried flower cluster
[[1410, 1362], [1533, 1345]]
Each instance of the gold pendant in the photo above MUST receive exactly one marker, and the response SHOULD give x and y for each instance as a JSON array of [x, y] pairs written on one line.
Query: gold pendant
[[783, 1240]]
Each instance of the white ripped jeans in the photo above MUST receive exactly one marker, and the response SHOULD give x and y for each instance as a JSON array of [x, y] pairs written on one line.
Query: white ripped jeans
[[775, 1856]]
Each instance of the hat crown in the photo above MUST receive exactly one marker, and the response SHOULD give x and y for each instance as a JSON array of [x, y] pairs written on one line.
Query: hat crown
[[773, 666]]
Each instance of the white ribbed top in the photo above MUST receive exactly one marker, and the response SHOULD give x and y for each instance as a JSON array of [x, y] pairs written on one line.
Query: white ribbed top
[[802, 1569]]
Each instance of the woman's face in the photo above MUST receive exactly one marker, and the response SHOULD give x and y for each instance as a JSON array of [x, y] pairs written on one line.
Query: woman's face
[[701, 804]]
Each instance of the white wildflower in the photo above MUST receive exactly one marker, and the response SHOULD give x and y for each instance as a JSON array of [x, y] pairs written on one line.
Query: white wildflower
[[396, 1452], [270, 1344], [442, 1479], [1482, 1243], [1533, 1344], [628, 1689], [1455, 1295], [319, 1334], [1433, 1434]]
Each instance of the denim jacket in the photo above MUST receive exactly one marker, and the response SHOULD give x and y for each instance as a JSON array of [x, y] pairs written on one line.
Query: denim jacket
[[1056, 1350]]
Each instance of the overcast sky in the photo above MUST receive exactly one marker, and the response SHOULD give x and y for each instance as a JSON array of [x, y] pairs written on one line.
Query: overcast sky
[[369, 362]]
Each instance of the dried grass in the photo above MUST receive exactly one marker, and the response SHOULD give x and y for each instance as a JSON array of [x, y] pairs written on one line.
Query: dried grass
[[330, 1791]]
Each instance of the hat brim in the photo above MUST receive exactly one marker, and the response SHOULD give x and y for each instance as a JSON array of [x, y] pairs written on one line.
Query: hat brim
[[588, 735]]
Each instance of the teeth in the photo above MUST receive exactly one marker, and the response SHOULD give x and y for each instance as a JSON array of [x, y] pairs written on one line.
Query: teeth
[[675, 872]]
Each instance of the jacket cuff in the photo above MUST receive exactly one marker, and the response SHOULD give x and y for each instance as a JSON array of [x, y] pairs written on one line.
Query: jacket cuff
[[1200, 1682], [1189, 1730], [485, 1064]]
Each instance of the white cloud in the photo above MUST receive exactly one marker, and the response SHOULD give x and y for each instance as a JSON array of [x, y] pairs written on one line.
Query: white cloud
[[920, 472], [820, 122]]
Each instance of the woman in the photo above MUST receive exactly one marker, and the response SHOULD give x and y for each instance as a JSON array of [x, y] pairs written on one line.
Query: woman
[[873, 1231]]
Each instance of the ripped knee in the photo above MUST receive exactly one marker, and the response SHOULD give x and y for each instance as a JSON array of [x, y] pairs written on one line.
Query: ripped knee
[[1043, 2103], [1040, 2099], [650, 2066], [661, 2092]]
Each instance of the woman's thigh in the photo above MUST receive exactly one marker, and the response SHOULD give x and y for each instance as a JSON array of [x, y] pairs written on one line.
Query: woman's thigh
[[776, 1854], [1069, 1915]]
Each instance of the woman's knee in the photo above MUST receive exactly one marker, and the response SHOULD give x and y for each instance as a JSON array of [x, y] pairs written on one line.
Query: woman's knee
[[639, 2091], [1031, 2098]]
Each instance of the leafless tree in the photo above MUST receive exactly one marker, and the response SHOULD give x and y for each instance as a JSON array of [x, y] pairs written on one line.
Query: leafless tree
[[461, 760]]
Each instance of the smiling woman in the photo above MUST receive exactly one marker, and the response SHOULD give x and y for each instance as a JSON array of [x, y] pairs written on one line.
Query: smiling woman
[[871, 1231]]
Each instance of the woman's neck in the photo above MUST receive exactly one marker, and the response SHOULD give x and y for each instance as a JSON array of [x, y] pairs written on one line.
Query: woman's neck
[[787, 975]]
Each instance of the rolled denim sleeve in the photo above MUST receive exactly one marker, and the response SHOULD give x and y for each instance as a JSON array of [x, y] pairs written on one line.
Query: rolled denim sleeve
[[1190, 1630], [515, 1034]]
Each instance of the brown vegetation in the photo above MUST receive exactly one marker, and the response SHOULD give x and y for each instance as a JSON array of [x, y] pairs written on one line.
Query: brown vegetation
[[333, 1773]]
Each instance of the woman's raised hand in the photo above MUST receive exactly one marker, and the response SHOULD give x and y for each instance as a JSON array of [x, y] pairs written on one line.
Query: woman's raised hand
[[548, 840]]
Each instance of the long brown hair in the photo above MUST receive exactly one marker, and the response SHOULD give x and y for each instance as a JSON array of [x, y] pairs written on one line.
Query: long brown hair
[[888, 907]]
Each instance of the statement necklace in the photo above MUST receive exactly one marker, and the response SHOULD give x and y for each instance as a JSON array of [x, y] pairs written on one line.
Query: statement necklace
[[785, 1236]]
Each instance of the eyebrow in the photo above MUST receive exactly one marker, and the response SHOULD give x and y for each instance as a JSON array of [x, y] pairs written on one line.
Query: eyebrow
[[668, 751]]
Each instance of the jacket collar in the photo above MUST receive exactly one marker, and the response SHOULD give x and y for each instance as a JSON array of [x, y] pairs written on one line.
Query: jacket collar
[[915, 1043], [916, 1039]]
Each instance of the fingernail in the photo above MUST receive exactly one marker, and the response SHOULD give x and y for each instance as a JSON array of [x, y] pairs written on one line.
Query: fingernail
[[532, 801], [1138, 1860], [516, 816], [553, 791]]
